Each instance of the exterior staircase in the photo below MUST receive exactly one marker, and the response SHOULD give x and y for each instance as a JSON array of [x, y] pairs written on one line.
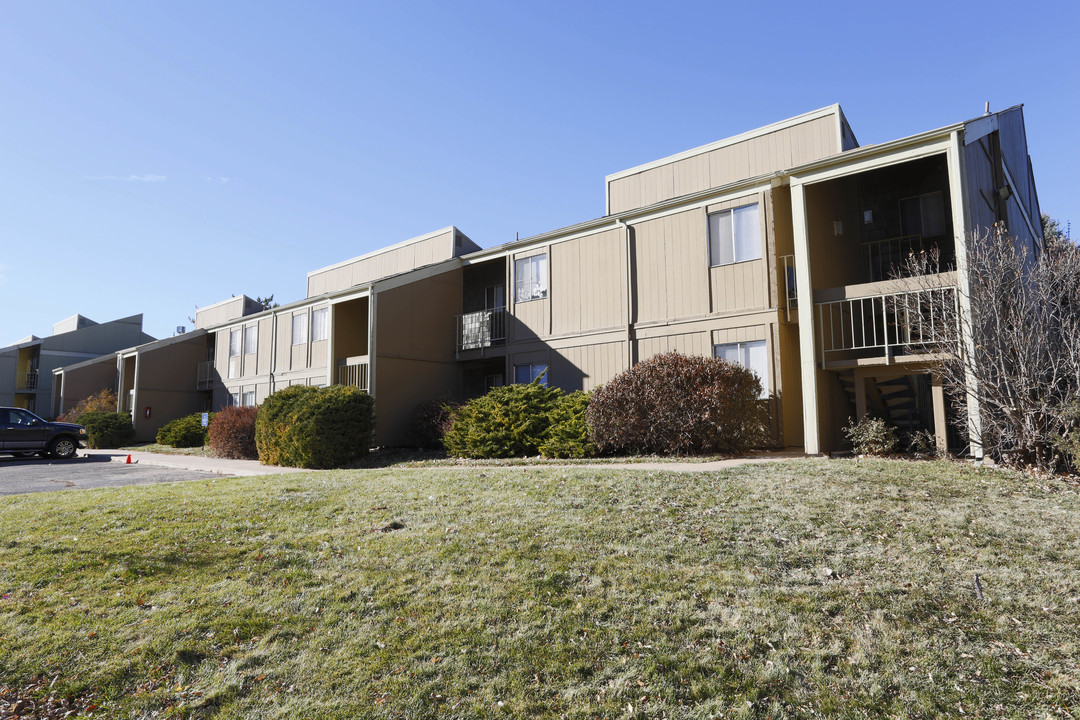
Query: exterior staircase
[[893, 399]]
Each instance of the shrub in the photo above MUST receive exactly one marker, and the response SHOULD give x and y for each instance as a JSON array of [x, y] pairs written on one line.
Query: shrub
[[672, 404], [101, 401], [107, 429], [510, 421], [870, 436], [569, 435], [303, 426], [232, 433], [184, 432], [431, 421]]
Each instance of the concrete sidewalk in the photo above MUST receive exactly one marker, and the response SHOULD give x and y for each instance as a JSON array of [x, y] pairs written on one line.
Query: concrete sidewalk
[[221, 466], [247, 468]]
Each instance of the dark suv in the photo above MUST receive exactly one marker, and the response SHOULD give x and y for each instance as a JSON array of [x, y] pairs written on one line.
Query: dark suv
[[22, 433]]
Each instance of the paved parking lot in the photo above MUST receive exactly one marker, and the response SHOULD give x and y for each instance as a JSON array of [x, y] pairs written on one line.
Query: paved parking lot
[[26, 475]]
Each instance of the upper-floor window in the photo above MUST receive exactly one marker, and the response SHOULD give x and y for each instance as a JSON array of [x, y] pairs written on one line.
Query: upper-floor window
[[734, 235], [234, 342], [299, 328], [251, 339], [750, 355], [530, 278], [320, 324]]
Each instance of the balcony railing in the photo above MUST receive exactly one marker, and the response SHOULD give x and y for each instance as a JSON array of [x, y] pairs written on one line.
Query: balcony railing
[[481, 329], [204, 375], [26, 380], [886, 325], [354, 371]]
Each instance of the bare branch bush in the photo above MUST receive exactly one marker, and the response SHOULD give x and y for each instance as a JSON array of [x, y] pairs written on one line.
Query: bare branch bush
[[1021, 360]]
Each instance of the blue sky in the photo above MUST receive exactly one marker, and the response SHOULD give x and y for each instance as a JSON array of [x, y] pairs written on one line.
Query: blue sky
[[158, 156]]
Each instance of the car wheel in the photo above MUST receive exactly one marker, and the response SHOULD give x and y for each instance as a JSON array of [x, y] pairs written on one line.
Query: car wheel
[[63, 448]]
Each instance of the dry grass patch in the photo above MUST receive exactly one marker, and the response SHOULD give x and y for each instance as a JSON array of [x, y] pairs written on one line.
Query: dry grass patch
[[797, 589]]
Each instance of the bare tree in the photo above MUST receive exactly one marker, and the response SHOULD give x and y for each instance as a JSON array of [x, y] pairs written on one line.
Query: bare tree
[[1010, 345]]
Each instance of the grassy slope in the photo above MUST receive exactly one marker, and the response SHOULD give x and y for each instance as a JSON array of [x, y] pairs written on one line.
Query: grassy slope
[[792, 589]]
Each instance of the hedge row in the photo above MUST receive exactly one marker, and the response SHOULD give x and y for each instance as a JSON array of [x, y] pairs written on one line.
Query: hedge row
[[670, 404], [305, 426]]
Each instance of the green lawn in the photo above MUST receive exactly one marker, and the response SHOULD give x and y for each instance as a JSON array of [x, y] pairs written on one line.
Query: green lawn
[[795, 589]]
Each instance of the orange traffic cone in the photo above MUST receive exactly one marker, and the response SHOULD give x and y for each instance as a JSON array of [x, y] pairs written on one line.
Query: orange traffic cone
[[128, 460]]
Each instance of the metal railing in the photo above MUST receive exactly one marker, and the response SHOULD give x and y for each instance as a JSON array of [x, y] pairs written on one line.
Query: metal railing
[[204, 375], [26, 380], [481, 329], [354, 372], [887, 325], [885, 258]]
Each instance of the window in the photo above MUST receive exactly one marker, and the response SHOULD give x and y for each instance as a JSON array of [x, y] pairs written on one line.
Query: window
[[251, 339], [751, 355], [247, 398], [530, 278], [234, 399], [299, 329], [234, 342], [735, 235], [320, 321], [923, 215], [524, 374]]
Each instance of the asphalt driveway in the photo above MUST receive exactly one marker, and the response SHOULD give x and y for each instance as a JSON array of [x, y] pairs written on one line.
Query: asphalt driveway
[[26, 475]]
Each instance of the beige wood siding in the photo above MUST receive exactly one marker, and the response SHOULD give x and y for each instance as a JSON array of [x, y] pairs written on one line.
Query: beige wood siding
[[759, 155], [691, 343], [671, 267], [583, 367], [414, 350], [391, 261], [587, 286]]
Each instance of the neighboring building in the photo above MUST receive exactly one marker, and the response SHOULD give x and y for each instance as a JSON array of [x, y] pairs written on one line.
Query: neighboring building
[[774, 249], [26, 367]]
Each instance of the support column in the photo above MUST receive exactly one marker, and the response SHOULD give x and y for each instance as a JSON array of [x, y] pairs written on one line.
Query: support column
[[804, 289], [860, 397], [940, 435]]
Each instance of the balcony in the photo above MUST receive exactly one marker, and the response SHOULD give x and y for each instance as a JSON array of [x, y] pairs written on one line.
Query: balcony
[[26, 381], [354, 371], [886, 327], [481, 329]]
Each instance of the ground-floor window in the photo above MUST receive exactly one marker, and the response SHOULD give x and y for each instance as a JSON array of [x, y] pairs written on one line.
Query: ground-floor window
[[524, 374], [751, 355]]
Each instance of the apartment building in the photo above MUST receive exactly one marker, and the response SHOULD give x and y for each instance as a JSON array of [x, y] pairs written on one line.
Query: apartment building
[[778, 249], [26, 366]]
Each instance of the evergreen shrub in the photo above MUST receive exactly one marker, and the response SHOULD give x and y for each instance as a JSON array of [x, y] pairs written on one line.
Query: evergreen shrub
[[106, 429], [568, 435], [232, 433], [672, 404], [304, 426], [183, 432], [520, 420]]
